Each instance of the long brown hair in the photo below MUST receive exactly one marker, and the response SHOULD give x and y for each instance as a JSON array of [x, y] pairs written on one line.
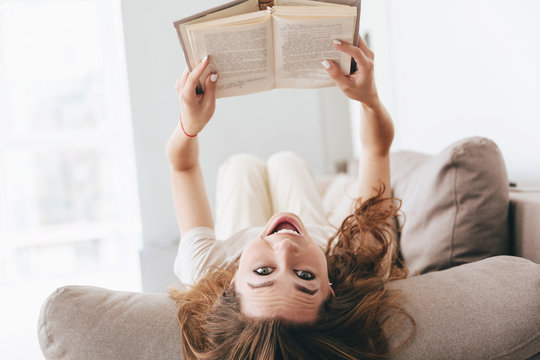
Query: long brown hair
[[361, 260]]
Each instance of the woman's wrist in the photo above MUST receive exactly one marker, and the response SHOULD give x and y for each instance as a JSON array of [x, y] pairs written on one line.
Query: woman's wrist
[[184, 130], [181, 150], [373, 104], [185, 125]]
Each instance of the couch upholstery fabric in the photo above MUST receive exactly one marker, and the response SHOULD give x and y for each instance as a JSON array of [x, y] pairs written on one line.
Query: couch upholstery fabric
[[84, 322], [484, 310], [455, 205], [525, 225], [489, 309]]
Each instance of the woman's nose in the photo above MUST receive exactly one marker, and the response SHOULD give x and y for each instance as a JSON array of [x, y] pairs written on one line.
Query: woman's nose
[[286, 247]]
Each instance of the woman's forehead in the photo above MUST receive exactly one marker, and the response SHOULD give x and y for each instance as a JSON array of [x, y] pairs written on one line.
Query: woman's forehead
[[273, 302]]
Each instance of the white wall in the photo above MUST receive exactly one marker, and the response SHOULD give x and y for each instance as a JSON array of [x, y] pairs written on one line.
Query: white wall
[[314, 123], [458, 68]]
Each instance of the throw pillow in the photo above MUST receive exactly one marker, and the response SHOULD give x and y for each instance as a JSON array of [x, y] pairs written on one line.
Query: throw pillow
[[455, 204]]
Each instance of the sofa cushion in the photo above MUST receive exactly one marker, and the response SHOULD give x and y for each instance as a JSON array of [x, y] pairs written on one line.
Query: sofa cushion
[[483, 310], [455, 204]]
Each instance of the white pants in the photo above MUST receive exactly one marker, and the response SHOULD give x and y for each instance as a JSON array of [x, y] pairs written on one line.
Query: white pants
[[249, 191]]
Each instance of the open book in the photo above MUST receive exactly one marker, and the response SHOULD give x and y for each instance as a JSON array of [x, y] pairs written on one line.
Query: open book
[[281, 46]]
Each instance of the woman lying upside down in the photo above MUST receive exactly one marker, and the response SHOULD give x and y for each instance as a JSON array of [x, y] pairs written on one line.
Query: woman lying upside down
[[274, 279]]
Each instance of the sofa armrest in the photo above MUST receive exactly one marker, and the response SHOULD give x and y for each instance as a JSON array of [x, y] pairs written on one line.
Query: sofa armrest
[[484, 310], [524, 221], [90, 323]]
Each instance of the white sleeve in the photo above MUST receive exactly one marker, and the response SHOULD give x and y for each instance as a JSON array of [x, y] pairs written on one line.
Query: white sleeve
[[198, 250]]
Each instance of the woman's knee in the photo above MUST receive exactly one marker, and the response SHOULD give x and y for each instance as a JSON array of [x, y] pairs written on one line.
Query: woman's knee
[[242, 163], [284, 159]]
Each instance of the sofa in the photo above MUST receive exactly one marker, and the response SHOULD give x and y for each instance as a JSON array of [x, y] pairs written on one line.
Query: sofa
[[471, 245]]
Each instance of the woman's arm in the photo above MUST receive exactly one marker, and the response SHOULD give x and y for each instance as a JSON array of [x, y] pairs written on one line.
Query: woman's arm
[[377, 133], [182, 150], [377, 129]]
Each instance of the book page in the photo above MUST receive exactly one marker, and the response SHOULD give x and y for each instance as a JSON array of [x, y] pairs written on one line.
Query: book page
[[245, 7], [301, 44], [303, 3], [241, 53]]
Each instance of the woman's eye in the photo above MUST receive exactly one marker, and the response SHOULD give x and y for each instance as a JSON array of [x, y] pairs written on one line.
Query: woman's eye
[[305, 275], [264, 270]]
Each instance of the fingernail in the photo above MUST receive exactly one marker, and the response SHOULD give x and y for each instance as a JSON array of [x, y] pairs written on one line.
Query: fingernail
[[205, 58], [325, 64], [337, 42], [213, 77]]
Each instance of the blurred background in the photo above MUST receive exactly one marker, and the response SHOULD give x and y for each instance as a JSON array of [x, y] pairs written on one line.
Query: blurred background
[[87, 103]]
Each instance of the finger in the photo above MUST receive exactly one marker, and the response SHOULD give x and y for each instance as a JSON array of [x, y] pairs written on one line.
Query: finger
[[363, 46], [335, 73], [210, 89], [181, 82], [355, 52], [195, 75]]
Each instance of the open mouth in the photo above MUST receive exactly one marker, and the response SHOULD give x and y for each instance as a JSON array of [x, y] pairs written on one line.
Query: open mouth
[[285, 226]]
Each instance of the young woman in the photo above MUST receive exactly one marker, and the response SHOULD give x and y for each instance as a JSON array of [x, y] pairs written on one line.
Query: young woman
[[274, 279]]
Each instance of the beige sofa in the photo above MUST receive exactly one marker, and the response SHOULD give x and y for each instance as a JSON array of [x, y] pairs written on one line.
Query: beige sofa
[[474, 246]]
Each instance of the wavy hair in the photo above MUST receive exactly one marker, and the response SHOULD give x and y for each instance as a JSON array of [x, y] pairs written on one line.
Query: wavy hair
[[361, 261]]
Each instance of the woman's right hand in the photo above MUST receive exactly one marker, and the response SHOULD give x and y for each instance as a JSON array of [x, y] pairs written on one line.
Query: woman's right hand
[[197, 109]]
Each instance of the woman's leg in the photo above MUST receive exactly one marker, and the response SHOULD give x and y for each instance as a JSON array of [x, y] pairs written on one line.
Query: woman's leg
[[242, 198], [293, 188]]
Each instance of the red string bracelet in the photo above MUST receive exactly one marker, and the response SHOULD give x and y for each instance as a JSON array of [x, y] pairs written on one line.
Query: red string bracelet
[[182, 125]]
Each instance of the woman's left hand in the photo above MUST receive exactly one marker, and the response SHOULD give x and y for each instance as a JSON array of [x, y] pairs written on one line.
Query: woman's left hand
[[361, 84]]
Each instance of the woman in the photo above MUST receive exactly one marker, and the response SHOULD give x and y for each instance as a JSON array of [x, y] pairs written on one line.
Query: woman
[[287, 285]]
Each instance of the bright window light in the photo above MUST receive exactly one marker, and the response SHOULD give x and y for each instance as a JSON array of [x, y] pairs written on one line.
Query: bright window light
[[68, 194]]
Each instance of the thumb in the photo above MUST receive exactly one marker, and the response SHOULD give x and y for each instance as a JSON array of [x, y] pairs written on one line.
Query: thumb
[[335, 72], [210, 88]]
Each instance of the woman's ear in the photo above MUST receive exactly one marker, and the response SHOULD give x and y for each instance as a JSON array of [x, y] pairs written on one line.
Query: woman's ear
[[231, 284]]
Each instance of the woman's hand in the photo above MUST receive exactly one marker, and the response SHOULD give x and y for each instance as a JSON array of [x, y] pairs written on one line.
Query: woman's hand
[[182, 148], [197, 109], [376, 127], [361, 84]]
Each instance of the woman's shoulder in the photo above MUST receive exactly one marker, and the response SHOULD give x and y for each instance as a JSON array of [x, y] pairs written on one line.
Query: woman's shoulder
[[199, 232], [242, 237]]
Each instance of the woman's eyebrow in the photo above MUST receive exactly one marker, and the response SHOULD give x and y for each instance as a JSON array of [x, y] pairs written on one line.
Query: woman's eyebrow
[[271, 283], [305, 289]]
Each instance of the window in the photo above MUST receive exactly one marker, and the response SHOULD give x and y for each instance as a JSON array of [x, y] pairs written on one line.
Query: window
[[68, 206]]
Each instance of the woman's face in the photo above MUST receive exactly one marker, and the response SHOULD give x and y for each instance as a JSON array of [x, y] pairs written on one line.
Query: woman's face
[[282, 273]]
